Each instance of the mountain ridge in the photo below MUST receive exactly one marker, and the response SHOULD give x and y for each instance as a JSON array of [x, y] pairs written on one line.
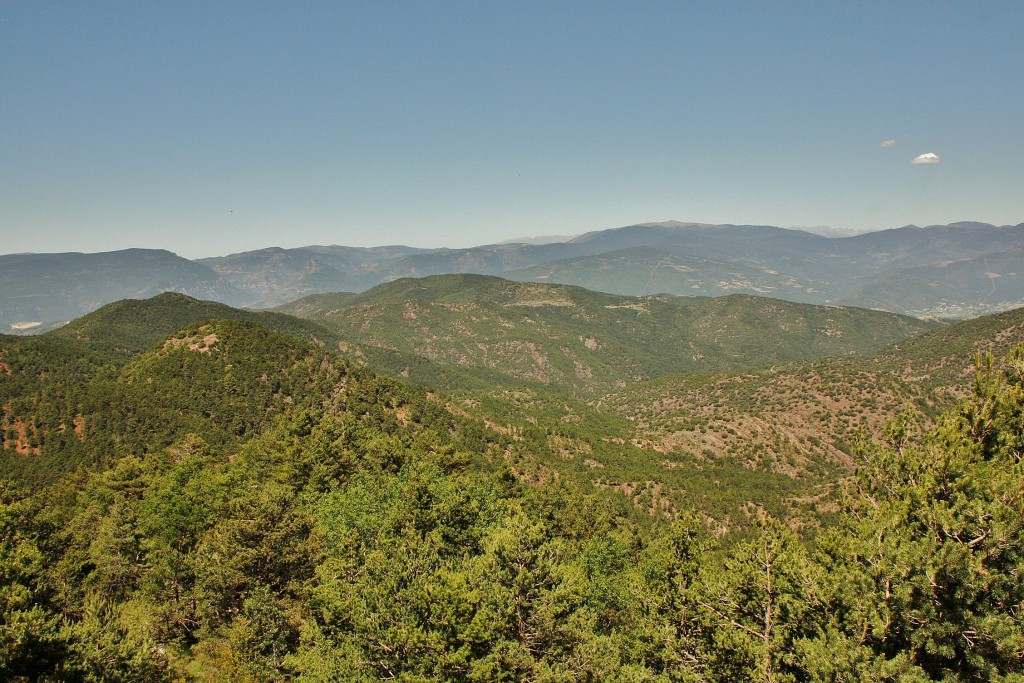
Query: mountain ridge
[[41, 289], [587, 341]]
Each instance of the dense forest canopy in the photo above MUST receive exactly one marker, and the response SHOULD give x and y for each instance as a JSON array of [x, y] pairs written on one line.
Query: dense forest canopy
[[234, 502]]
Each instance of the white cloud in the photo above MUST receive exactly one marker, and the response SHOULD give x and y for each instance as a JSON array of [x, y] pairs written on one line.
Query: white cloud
[[888, 143], [926, 158]]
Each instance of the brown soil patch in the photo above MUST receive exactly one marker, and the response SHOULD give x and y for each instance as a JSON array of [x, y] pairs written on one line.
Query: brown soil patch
[[21, 445]]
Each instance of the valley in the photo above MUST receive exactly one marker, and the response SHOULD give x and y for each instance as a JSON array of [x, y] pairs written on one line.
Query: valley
[[213, 472], [282, 399], [631, 394]]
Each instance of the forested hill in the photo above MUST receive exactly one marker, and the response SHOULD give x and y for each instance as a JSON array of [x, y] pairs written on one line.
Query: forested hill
[[235, 502], [65, 404], [794, 417], [583, 343], [132, 326]]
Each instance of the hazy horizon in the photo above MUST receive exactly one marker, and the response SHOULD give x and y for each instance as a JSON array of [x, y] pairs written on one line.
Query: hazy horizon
[[822, 230], [209, 129]]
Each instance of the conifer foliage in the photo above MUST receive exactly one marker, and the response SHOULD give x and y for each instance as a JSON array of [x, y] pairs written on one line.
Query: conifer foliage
[[366, 535]]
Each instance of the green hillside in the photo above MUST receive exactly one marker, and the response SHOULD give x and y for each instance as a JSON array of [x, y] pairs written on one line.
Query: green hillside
[[807, 416], [235, 503], [100, 389], [583, 342], [63, 405], [132, 326]]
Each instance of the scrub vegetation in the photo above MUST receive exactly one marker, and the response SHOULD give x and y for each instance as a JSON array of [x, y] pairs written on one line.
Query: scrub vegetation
[[197, 493]]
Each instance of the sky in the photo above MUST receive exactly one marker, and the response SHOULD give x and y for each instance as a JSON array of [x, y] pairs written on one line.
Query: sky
[[210, 128]]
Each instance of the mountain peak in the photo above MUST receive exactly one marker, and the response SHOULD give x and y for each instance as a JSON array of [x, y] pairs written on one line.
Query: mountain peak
[[675, 224]]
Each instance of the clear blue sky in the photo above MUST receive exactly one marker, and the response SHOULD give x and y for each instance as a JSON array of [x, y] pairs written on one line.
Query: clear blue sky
[[214, 127]]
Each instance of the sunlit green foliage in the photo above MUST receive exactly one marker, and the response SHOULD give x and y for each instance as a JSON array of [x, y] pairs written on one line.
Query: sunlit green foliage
[[130, 327], [459, 330], [266, 512]]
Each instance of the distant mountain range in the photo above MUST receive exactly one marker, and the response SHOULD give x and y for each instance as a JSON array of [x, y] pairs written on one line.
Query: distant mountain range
[[37, 289], [955, 271]]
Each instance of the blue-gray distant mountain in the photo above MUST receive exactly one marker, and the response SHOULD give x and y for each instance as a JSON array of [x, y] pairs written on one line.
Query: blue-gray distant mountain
[[940, 270], [957, 271], [993, 282], [46, 288], [638, 271], [274, 275], [674, 258]]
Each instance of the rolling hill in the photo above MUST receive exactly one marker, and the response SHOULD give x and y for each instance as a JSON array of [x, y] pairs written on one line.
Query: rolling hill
[[132, 326], [237, 501], [641, 271], [992, 281], [952, 271], [583, 342], [809, 415], [66, 402], [275, 276]]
